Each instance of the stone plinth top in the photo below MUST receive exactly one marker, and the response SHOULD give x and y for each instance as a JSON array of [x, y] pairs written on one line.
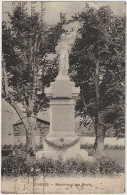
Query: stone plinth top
[[62, 89]]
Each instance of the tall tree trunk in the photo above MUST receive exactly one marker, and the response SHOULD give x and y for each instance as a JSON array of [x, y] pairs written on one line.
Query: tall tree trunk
[[99, 142], [100, 135], [31, 133], [5, 83], [31, 119]]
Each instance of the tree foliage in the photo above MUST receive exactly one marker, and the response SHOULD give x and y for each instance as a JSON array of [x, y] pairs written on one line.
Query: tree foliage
[[97, 65], [26, 45]]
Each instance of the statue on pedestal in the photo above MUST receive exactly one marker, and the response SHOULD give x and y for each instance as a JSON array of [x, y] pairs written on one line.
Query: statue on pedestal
[[63, 49], [62, 142]]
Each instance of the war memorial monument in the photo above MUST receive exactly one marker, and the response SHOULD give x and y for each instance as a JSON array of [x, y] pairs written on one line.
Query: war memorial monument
[[62, 141]]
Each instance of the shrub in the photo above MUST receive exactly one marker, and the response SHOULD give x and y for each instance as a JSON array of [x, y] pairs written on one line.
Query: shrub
[[14, 165], [108, 166]]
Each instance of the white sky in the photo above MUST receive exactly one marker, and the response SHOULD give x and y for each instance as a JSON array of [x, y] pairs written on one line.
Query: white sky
[[53, 9], [70, 8]]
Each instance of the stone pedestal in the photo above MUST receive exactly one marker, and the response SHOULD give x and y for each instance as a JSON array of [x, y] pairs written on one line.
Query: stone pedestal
[[62, 141]]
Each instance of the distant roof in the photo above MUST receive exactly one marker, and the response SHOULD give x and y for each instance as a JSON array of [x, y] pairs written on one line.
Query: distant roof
[[45, 115], [8, 109], [9, 114], [39, 120]]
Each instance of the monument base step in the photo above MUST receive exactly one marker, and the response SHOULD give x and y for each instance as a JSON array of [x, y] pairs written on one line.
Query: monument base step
[[55, 155]]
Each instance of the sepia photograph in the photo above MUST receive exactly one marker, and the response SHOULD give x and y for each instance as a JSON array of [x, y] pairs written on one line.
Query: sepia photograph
[[63, 97]]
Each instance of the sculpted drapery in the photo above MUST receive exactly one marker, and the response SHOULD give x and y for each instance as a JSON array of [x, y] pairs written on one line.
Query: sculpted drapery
[[63, 49]]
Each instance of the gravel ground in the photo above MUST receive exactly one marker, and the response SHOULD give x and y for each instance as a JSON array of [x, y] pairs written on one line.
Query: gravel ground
[[64, 185]]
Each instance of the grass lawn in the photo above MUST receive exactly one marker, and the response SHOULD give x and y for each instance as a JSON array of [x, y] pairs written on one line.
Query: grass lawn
[[116, 154], [114, 148]]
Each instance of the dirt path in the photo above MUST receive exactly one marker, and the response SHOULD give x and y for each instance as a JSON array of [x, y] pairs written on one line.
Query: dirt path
[[63, 185]]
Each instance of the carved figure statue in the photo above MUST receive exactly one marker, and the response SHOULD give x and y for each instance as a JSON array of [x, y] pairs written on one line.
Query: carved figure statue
[[63, 49]]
